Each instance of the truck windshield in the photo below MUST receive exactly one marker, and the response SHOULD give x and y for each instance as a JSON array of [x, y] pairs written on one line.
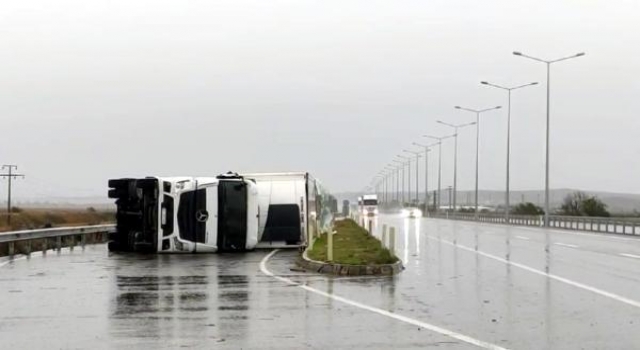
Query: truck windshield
[[370, 202], [232, 223]]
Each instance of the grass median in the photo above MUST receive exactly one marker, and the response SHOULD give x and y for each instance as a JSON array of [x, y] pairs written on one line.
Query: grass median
[[352, 245]]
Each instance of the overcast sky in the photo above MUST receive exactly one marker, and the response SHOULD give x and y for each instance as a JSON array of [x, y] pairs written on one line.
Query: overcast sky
[[91, 90]]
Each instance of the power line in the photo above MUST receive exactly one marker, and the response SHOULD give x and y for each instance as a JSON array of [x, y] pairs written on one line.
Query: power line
[[10, 175]]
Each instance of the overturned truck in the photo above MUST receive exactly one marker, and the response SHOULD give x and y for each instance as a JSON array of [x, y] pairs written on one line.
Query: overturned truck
[[184, 214], [229, 212]]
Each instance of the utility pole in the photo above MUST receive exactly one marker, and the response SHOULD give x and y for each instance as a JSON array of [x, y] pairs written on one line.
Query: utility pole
[[10, 175]]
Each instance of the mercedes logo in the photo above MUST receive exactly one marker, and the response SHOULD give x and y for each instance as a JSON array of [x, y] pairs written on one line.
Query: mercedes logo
[[202, 215]]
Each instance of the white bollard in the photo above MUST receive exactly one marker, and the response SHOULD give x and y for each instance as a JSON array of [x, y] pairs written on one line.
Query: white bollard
[[329, 246], [384, 235], [392, 240]]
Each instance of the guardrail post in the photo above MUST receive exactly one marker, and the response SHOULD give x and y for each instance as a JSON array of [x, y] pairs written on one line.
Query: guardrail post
[[83, 241], [45, 246], [370, 227], [12, 249], [58, 244], [392, 240], [28, 247]]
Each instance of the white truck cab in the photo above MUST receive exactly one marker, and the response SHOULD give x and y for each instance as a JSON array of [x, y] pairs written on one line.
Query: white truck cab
[[185, 214], [370, 205]]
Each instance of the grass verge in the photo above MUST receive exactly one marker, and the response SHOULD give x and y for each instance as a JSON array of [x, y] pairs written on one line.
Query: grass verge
[[27, 219], [352, 245]]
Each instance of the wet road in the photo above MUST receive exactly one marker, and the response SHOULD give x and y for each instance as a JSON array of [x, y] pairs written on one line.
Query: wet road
[[465, 286]]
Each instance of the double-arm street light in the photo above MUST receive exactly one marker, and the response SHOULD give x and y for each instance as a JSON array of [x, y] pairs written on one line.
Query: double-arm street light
[[408, 160], [508, 89], [401, 187], [427, 149], [395, 172], [455, 156], [417, 155], [477, 112], [439, 143], [546, 182]]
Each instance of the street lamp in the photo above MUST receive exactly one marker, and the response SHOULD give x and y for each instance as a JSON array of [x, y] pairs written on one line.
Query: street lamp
[[417, 154], [546, 181], [477, 112], [439, 143], [394, 169], [408, 159], [427, 149], [400, 188], [455, 157], [508, 89]]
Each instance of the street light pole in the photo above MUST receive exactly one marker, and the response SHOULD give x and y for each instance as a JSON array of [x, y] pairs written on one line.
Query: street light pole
[[546, 177], [427, 149], [455, 157], [417, 154], [439, 143], [408, 160], [477, 113], [508, 89], [401, 189]]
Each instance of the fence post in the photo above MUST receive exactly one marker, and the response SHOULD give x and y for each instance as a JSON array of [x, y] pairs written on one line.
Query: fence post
[[392, 240]]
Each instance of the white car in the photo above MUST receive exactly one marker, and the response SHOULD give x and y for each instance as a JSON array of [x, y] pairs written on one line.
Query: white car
[[411, 213]]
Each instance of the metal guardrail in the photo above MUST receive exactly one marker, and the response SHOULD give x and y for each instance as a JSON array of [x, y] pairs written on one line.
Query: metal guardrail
[[625, 226], [26, 241]]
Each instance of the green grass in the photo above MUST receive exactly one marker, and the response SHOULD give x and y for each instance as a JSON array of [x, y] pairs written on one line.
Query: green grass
[[352, 245]]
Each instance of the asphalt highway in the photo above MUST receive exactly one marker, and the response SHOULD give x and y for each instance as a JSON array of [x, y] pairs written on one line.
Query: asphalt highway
[[466, 286]]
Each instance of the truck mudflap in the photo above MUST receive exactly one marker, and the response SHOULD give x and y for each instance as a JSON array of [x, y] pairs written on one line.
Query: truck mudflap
[[136, 216]]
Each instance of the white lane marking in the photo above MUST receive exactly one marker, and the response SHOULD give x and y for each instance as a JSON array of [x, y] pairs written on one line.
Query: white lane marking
[[566, 245], [4, 263], [433, 328], [630, 255], [594, 290], [523, 238]]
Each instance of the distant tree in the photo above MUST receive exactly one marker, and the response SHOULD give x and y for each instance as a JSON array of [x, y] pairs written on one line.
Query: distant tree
[[91, 209], [581, 204], [593, 206], [527, 209], [572, 203], [16, 210]]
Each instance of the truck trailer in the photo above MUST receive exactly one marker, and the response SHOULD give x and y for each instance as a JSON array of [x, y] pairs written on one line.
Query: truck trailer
[[294, 207], [185, 214]]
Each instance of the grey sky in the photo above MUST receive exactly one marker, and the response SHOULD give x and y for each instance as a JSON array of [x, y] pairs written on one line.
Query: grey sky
[[96, 89]]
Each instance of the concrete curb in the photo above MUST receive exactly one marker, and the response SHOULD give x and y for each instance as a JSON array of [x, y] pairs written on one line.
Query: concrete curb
[[349, 270]]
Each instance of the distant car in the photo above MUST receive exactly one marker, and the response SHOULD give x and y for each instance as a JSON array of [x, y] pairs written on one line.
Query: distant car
[[411, 213]]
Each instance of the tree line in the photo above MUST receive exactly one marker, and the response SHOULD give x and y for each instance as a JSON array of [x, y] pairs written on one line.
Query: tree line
[[574, 204]]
